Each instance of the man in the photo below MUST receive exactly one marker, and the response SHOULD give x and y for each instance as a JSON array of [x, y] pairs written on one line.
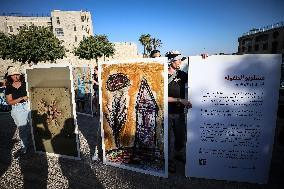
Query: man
[[177, 102], [155, 53]]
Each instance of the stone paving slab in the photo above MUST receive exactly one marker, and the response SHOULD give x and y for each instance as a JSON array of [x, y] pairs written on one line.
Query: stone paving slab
[[35, 170]]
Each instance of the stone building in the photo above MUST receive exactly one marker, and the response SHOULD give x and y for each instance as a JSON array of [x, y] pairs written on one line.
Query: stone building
[[69, 26], [266, 40]]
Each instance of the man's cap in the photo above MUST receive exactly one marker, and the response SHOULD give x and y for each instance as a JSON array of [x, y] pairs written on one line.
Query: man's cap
[[174, 52], [13, 71]]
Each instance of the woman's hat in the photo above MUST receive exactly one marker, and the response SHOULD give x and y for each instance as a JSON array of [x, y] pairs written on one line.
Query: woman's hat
[[13, 71]]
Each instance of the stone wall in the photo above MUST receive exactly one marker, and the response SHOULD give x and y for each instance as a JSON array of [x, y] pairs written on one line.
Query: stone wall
[[74, 61], [11, 24], [123, 50]]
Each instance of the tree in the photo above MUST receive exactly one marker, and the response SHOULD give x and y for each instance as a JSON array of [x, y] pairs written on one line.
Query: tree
[[156, 43], [94, 47], [33, 44], [4, 44], [145, 40], [149, 43]]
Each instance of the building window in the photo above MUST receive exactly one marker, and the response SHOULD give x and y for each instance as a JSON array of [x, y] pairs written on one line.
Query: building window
[[82, 27], [274, 47], [265, 46], [57, 20], [256, 47], [59, 31], [247, 41], [11, 28], [84, 37], [75, 38], [275, 34], [83, 18], [263, 37], [21, 27], [249, 48], [75, 29], [243, 49]]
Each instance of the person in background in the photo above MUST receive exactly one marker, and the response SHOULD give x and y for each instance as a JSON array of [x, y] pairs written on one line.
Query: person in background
[[3, 104], [98, 149], [155, 53], [177, 103], [96, 91], [174, 53], [16, 96]]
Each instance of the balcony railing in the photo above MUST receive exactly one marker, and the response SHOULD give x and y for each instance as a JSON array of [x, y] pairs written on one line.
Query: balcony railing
[[263, 29]]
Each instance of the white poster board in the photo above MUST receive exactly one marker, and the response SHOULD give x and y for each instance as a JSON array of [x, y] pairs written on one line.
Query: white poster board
[[230, 129]]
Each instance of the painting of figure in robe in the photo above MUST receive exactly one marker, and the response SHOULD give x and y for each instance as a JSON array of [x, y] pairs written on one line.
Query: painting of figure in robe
[[82, 78], [132, 117]]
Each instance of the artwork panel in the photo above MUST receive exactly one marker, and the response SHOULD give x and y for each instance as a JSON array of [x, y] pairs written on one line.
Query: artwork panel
[[82, 78], [132, 116], [53, 115], [4, 107]]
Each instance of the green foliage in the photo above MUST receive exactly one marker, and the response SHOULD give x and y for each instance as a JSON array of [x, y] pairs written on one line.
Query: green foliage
[[145, 40], [149, 43], [4, 45], [33, 44], [156, 43], [94, 47]]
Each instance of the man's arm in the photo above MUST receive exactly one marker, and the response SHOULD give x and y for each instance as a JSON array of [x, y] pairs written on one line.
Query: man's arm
[[185, 102]]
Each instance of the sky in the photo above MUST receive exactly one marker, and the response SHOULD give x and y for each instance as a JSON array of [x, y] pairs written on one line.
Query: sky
[[190, 26]]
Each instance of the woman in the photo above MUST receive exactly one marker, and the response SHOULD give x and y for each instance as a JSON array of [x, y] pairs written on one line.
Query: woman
[[16, 95]]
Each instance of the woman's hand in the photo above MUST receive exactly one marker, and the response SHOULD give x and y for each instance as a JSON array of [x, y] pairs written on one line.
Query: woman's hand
[[25, 98]]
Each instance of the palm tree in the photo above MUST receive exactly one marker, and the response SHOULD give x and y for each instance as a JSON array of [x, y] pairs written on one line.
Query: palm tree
[[156, 43], [145, 40], [149, 48]]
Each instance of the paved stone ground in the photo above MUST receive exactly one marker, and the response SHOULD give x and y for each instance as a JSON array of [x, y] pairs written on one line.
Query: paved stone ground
[[40, 171]]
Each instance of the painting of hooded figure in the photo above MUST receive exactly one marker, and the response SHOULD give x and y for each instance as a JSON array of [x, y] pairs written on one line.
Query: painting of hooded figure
[[132, 117]]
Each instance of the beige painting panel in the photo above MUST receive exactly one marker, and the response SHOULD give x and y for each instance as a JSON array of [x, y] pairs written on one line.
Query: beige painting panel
[[49, 127]]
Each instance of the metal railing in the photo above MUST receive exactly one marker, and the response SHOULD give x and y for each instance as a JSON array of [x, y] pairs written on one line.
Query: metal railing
[[263, 29]]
